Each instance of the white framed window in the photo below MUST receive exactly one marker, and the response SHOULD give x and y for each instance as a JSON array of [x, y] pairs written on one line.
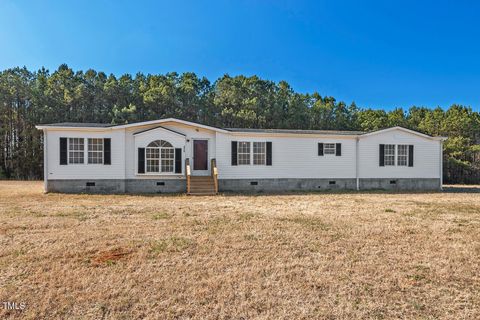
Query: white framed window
[[159, 157], [76, 151], [152, 159], [402, 155], [259, 153], [95, 150], [329, 148], [243, 153], [389, 156], [168, 159]]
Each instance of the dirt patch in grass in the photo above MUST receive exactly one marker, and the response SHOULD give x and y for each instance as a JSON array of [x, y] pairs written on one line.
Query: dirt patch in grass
[[110, 257], [374, 255]]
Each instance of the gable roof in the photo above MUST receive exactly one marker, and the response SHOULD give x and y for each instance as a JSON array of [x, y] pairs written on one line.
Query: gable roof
[[92, 126], [404, 130], [159, 127]]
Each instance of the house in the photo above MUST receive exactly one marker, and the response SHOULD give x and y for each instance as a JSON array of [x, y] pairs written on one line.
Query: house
[[172, 155]]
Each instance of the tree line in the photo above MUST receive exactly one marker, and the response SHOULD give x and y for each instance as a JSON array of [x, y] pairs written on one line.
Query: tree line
[[29, 97]]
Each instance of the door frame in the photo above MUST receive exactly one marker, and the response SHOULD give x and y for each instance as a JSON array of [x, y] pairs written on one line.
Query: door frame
[[201, 172]]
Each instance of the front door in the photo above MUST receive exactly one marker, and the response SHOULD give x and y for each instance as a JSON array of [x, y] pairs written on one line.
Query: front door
[[200, 154]]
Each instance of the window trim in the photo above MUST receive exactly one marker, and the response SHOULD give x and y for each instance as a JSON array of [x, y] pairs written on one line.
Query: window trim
[[251, 153], [83, 151], [406, 146], [160, 172], [95, 151], [258, 153], [394, 155], [325, 148], [250, 144]]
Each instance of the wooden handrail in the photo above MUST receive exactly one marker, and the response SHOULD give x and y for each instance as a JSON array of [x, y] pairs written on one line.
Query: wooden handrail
[[188, 173], [214, 174]]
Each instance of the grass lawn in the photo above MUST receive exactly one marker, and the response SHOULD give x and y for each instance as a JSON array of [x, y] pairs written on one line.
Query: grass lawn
[[301, 256]]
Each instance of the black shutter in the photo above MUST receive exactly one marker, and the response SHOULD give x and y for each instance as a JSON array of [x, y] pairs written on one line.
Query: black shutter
[[410, 155], [63, 151], [269, 153], [178, 160], [338, 150], [234, 153], [320, 149], [107, 158], [141, 160], [381, 155]]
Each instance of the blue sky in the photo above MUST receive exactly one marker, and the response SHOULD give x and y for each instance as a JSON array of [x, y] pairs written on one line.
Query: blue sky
[[380, 54]]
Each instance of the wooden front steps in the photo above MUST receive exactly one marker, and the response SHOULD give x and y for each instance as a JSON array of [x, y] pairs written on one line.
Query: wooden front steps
[[202, 185]]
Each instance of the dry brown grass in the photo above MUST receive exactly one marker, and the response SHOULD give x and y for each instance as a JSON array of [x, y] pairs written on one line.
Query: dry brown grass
[[305, 256]]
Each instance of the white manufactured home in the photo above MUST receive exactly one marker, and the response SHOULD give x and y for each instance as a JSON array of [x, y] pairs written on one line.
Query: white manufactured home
[[172, 155]]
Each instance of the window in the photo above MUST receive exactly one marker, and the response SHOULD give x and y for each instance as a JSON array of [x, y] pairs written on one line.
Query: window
[[259, 153], [95, 151], [389, 156], [402, 156], [329, 148], [160, 157], [75, 150], [243, 153], [152, 157], [168, 159]]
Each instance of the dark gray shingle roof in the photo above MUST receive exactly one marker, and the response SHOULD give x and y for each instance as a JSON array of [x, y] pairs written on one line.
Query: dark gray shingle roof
[[245, 130], [79, 125], [332, 132]]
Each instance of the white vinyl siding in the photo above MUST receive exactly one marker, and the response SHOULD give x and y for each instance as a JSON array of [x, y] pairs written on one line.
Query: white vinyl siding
[[85, 170], [426, 156], [293, 156]]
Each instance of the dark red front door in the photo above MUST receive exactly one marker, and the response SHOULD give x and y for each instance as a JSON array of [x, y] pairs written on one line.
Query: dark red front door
[[200, 154]]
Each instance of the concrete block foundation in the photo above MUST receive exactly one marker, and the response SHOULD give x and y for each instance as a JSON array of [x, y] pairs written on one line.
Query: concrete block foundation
[[112, 186]]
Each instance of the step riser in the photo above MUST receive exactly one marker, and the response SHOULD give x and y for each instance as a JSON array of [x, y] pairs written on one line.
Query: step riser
[[202, 186]]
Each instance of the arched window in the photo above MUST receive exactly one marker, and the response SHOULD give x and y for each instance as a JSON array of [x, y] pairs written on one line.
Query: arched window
[[160, 156], [159, 144]]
